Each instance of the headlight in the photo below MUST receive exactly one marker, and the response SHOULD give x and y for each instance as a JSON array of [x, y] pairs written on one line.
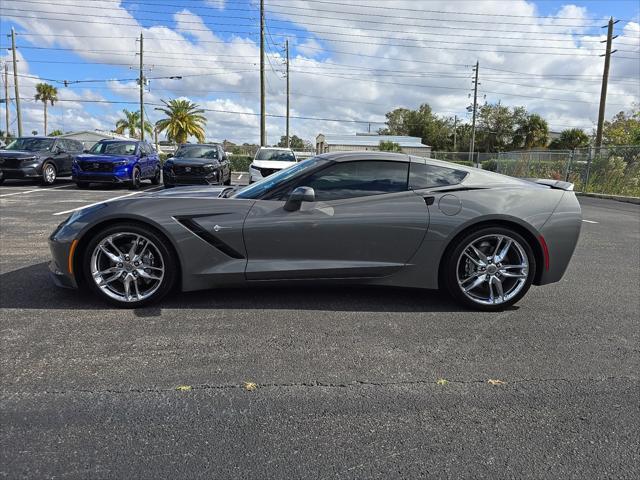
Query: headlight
[[209, 166], [120, 163]]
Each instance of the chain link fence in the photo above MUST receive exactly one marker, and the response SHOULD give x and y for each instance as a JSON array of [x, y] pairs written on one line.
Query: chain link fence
[[611, 170]]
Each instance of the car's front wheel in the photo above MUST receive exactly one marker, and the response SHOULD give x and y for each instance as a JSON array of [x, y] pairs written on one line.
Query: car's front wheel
[[129, 265], [134, 183], [490, 268]]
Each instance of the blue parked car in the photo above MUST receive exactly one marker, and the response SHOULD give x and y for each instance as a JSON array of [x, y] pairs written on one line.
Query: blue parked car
[[117, 161]]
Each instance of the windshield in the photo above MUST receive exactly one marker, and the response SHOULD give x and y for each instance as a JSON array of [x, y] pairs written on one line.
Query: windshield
[[31, 144], [257, 189], [197, 152], [114, 148], [276, 155]]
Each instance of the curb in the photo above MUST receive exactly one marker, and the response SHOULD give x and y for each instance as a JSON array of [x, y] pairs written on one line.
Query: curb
[[618, 198]]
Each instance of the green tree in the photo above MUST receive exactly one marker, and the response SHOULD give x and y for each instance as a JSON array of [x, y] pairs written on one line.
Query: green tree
[[532, 132], [46, 94], [183, 119], [389, 147], [433, 130], [570, 139], [130, 124], [295, 143], [56, 133], [622, 129], [496, 127]]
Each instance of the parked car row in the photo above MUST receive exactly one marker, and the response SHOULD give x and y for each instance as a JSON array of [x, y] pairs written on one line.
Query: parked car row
[[129, 162]]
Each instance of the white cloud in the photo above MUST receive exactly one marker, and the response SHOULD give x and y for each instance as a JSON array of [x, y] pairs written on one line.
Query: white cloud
[[332, 79]]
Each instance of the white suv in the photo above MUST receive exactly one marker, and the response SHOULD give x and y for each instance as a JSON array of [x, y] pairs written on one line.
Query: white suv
[[269, 160]]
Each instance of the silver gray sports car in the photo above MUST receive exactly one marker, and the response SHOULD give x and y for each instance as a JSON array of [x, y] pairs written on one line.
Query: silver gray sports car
[[366, 217]]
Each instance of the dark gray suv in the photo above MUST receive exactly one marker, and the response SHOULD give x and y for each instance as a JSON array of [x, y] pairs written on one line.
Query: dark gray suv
[[38, 158]]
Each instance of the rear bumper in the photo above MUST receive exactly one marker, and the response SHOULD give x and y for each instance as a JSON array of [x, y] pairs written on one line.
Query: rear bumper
[[560, 233]]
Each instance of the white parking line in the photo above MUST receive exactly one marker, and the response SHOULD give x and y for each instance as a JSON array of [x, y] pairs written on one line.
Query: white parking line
[[34, 190], [589, 221], [107, 200]]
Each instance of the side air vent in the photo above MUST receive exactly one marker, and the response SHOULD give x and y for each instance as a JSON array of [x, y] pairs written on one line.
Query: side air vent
[[208, 237]]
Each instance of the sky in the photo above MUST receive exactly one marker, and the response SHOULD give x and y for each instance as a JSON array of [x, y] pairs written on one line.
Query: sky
[[350, 63]]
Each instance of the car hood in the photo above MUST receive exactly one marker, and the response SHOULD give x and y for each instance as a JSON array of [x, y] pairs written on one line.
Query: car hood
[[203, 191], [106, 158], [272, 164], [19, 154], [192, 161]]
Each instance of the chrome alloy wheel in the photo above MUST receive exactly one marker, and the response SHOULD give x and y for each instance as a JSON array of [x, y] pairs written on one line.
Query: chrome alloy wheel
[[127, 267], [49, 173], [492, 269]]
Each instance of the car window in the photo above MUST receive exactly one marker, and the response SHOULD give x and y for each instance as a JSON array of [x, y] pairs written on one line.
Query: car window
[[114, 148], [74, 146], [358, 179], [197, 151], [266, 154], [430, 176]]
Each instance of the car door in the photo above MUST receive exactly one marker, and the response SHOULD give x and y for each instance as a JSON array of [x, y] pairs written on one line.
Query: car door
[[365, 222], [62, 157], [143, 159]]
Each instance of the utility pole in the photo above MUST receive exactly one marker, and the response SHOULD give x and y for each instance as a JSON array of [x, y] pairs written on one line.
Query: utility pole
[[286, 46], [455, 132], [475, 106], [263, 114], [141, 81], [15, 81], [605, 81], [6, 100]]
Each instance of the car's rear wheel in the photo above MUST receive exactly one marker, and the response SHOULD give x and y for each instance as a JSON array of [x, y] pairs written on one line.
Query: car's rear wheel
[[134, 184], [490, 268], [155, 180], [129, 265], [49, 174]]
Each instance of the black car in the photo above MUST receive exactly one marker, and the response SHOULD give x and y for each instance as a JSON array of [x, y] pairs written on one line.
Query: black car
[[198, 164], [38, 158]]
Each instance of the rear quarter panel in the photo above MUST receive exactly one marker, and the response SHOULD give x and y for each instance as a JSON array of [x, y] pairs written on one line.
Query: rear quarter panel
[[530, 208]]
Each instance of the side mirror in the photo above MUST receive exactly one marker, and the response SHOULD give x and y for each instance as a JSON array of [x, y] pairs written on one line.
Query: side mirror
[[299, 195], [86, 150], [169, 155]]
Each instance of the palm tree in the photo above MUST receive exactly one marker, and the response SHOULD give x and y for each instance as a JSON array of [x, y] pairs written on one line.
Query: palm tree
[[184, 119], [130, 124], [46, 93], [533, 132]]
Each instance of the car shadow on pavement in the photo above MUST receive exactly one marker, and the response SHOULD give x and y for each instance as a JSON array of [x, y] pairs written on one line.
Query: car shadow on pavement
[[31, 288]]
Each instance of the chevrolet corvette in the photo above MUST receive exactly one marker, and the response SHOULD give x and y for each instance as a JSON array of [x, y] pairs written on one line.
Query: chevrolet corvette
[[351, 217]]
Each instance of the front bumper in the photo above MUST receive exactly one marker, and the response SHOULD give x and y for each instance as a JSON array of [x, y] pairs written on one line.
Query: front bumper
[[170, 178], [20, 173], [59, 264], [119, 174]]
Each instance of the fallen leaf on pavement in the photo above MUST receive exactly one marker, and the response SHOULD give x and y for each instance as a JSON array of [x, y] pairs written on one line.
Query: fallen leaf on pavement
[[442, 381], [183, 388], [250, 386], [491, 381]]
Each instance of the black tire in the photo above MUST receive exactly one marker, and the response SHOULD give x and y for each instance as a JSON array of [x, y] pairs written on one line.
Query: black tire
[[155, 180], [83, 185], [49, 174], [134, 183], [451, 266], [171, 268]]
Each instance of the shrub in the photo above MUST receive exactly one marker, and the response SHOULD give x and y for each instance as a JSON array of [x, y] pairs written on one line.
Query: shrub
[[240, 163], [491, 165]]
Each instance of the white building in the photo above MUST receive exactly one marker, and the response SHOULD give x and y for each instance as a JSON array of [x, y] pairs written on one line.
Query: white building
[[90, 137], [326, 143]]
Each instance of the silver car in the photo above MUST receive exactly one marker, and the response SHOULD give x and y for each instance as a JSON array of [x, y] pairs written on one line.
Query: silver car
[[356, 218]]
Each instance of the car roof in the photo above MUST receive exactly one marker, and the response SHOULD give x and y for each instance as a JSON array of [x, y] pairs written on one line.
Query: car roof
[[199, 145], [276, 148]]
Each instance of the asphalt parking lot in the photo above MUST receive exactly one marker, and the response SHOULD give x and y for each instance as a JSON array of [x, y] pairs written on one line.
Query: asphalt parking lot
[[346, 378]]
